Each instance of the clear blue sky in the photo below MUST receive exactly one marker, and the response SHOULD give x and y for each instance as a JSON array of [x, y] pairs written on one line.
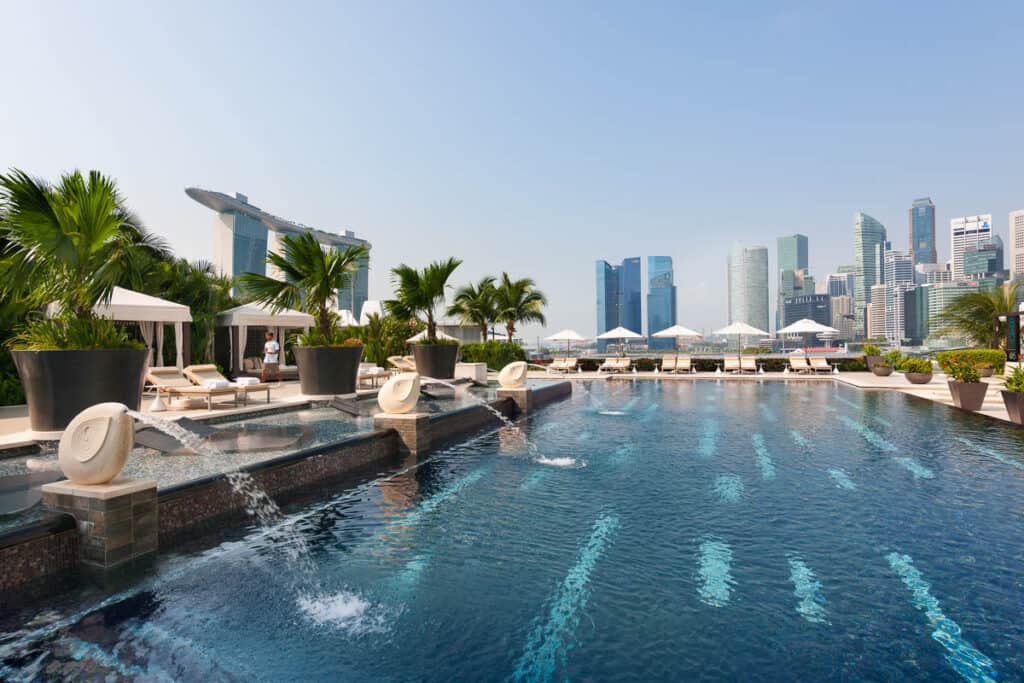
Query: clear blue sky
[[532, 137]]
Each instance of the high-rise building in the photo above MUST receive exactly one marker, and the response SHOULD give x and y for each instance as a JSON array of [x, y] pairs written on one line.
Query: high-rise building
[[243, 234], [816, 307], [930, 273], [965, 232], [792, 252], [875, 318], [661, 300], [984, 259], [842, 316], [1016, 234], [915, 314], [840, 284], [618, 296], [941, 295], [899, 278], [748, 286], [921, 237], [794, 277], [868, 254]]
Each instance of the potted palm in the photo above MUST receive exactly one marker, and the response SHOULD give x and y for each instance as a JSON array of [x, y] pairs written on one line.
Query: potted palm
[[420, 292], [917, 370], [872, 355], [69, 245], [328, 356], [518, 301], [966, 387], [1013, 396]]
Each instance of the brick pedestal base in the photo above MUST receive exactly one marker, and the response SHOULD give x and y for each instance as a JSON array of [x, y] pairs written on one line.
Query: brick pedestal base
[[413, 429], [117, 521], [522, 397]]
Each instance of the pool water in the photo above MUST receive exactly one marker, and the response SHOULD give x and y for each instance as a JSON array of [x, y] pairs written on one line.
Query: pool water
[[667, 531]]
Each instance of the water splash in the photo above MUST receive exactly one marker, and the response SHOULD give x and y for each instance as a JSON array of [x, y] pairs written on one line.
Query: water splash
[[985, 450], [560, 462], [714, 569], [965, 659], [612, 412], [729, 488], [345, 611], [548, 644], [764, 460], [806, 587], [508, 422], [841, 479], [708, 437]]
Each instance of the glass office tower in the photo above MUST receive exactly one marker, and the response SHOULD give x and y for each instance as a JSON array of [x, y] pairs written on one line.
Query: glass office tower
[[631, 283], [748, 286], [868, 261], [922, 231], [608, 298], [661, 300]]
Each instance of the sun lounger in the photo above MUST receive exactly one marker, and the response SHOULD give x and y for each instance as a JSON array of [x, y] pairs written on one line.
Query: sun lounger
[[615, 365], [799, 364], [668, 364], [209, 376], [563, 365], [820, 364], [748, 364], [368, 372], [403, 363], [684, 364], [731, 364], [171, 382]]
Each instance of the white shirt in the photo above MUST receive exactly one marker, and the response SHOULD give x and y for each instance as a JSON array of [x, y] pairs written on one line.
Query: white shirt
[[270, 351]]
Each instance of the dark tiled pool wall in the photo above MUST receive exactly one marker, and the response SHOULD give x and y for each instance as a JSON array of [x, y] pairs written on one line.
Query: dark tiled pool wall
[[112, 530], [446, 427], [549, 393], [45, 548]]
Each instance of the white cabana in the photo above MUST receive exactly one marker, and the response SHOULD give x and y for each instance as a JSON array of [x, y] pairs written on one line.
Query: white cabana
[[151, 314], [677, 332], [370, 307], [423, 335], [258, 315], [620, 333], [568, 336]]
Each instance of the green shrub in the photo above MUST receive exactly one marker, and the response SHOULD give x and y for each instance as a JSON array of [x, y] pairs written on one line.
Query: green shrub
[[1015, 382], [996, 357], [893, 359], [916, 365], [72, 334], [11, 391], [495, 354], [872, 350]]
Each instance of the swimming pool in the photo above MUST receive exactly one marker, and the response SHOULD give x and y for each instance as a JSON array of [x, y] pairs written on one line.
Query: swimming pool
[[678, 531]]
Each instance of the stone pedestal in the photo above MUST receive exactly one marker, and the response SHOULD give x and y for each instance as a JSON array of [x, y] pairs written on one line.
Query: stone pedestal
[[413, 429], [521, 396], [477, 372], [117, 521]]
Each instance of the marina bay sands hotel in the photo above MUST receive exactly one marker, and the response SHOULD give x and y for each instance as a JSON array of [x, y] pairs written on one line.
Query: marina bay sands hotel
[[243, 234]]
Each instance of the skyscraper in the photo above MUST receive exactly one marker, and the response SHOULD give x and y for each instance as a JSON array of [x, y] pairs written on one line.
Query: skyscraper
[[1016, 235], [748, 285], [794, 277], [661, 299], [899, 279], [868, 254], [243, 234], [964, 232], [984, 259], [840, 284], [618, 296], [921, 237]]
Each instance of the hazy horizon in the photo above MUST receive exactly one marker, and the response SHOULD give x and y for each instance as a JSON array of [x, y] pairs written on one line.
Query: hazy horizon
[[532, 138]]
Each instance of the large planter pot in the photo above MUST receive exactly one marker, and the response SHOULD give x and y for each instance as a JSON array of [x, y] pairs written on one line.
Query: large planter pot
[[328, 370], [985, 372], [968, 395], [1014, 402], [918, 377], [61, 384], [436, 360], [881, 370], [871, 360]]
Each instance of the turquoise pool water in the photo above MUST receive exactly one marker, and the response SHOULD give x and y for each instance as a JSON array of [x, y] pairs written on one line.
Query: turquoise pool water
[[672, 531]]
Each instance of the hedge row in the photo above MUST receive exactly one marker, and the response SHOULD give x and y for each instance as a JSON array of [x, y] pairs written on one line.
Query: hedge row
[[496, 354], [995, 357]]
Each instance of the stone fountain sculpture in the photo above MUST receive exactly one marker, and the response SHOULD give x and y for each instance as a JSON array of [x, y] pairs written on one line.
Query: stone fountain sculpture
[[399, 394], [96, 444], [513, 375]]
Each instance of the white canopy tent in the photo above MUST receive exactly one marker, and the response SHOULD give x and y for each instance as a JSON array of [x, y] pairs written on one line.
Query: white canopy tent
[[568, 336], [806, 327], [741, 329], [370, 307], [258, 315], [620, 333], [677, 332], [151, 314]]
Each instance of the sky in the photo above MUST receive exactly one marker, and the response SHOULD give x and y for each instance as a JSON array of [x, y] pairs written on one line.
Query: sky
[[532, 137]]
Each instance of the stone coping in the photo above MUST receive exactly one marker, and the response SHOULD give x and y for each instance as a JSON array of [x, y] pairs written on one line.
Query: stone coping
[[120, 486]]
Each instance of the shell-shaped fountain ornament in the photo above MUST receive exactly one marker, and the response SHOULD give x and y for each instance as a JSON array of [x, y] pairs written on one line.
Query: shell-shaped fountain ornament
[[96, 444], [400, 393], [513, 375]]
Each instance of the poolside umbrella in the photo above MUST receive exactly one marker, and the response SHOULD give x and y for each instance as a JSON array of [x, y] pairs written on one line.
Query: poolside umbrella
[[423, 335], [806, 326], [620, 333], [677, 332], [739, 329], [568, 336]]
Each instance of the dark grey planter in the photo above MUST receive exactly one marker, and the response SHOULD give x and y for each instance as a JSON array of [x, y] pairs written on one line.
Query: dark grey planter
[[1014, 402], [328, 370], [436, 360], [871, 360], [918, 377], [61, 384], [968, 395], [985, 372], [881, 370]]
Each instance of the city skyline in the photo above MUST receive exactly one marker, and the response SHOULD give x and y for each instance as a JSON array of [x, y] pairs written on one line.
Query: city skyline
[[750, 128]]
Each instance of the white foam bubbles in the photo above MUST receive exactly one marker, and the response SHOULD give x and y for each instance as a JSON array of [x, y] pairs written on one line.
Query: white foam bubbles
[[564, 461], [345, 611]]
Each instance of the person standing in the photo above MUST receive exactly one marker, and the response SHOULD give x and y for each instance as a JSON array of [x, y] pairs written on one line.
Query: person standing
[[271, 359]]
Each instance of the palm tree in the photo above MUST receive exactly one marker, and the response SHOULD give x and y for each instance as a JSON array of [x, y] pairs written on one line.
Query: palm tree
[[71, 243], [312, 277], [475, 304], [976, 314], [421, 291], [518, 301]]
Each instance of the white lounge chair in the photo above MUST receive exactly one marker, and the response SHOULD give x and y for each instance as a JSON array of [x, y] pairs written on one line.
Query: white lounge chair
[[668, 364], [403, 363], [561, 365], [820, 364], [209, 376], [748, 364], [799, 364], [171, 382], [731, 364], [368, 372], [684, 364]]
